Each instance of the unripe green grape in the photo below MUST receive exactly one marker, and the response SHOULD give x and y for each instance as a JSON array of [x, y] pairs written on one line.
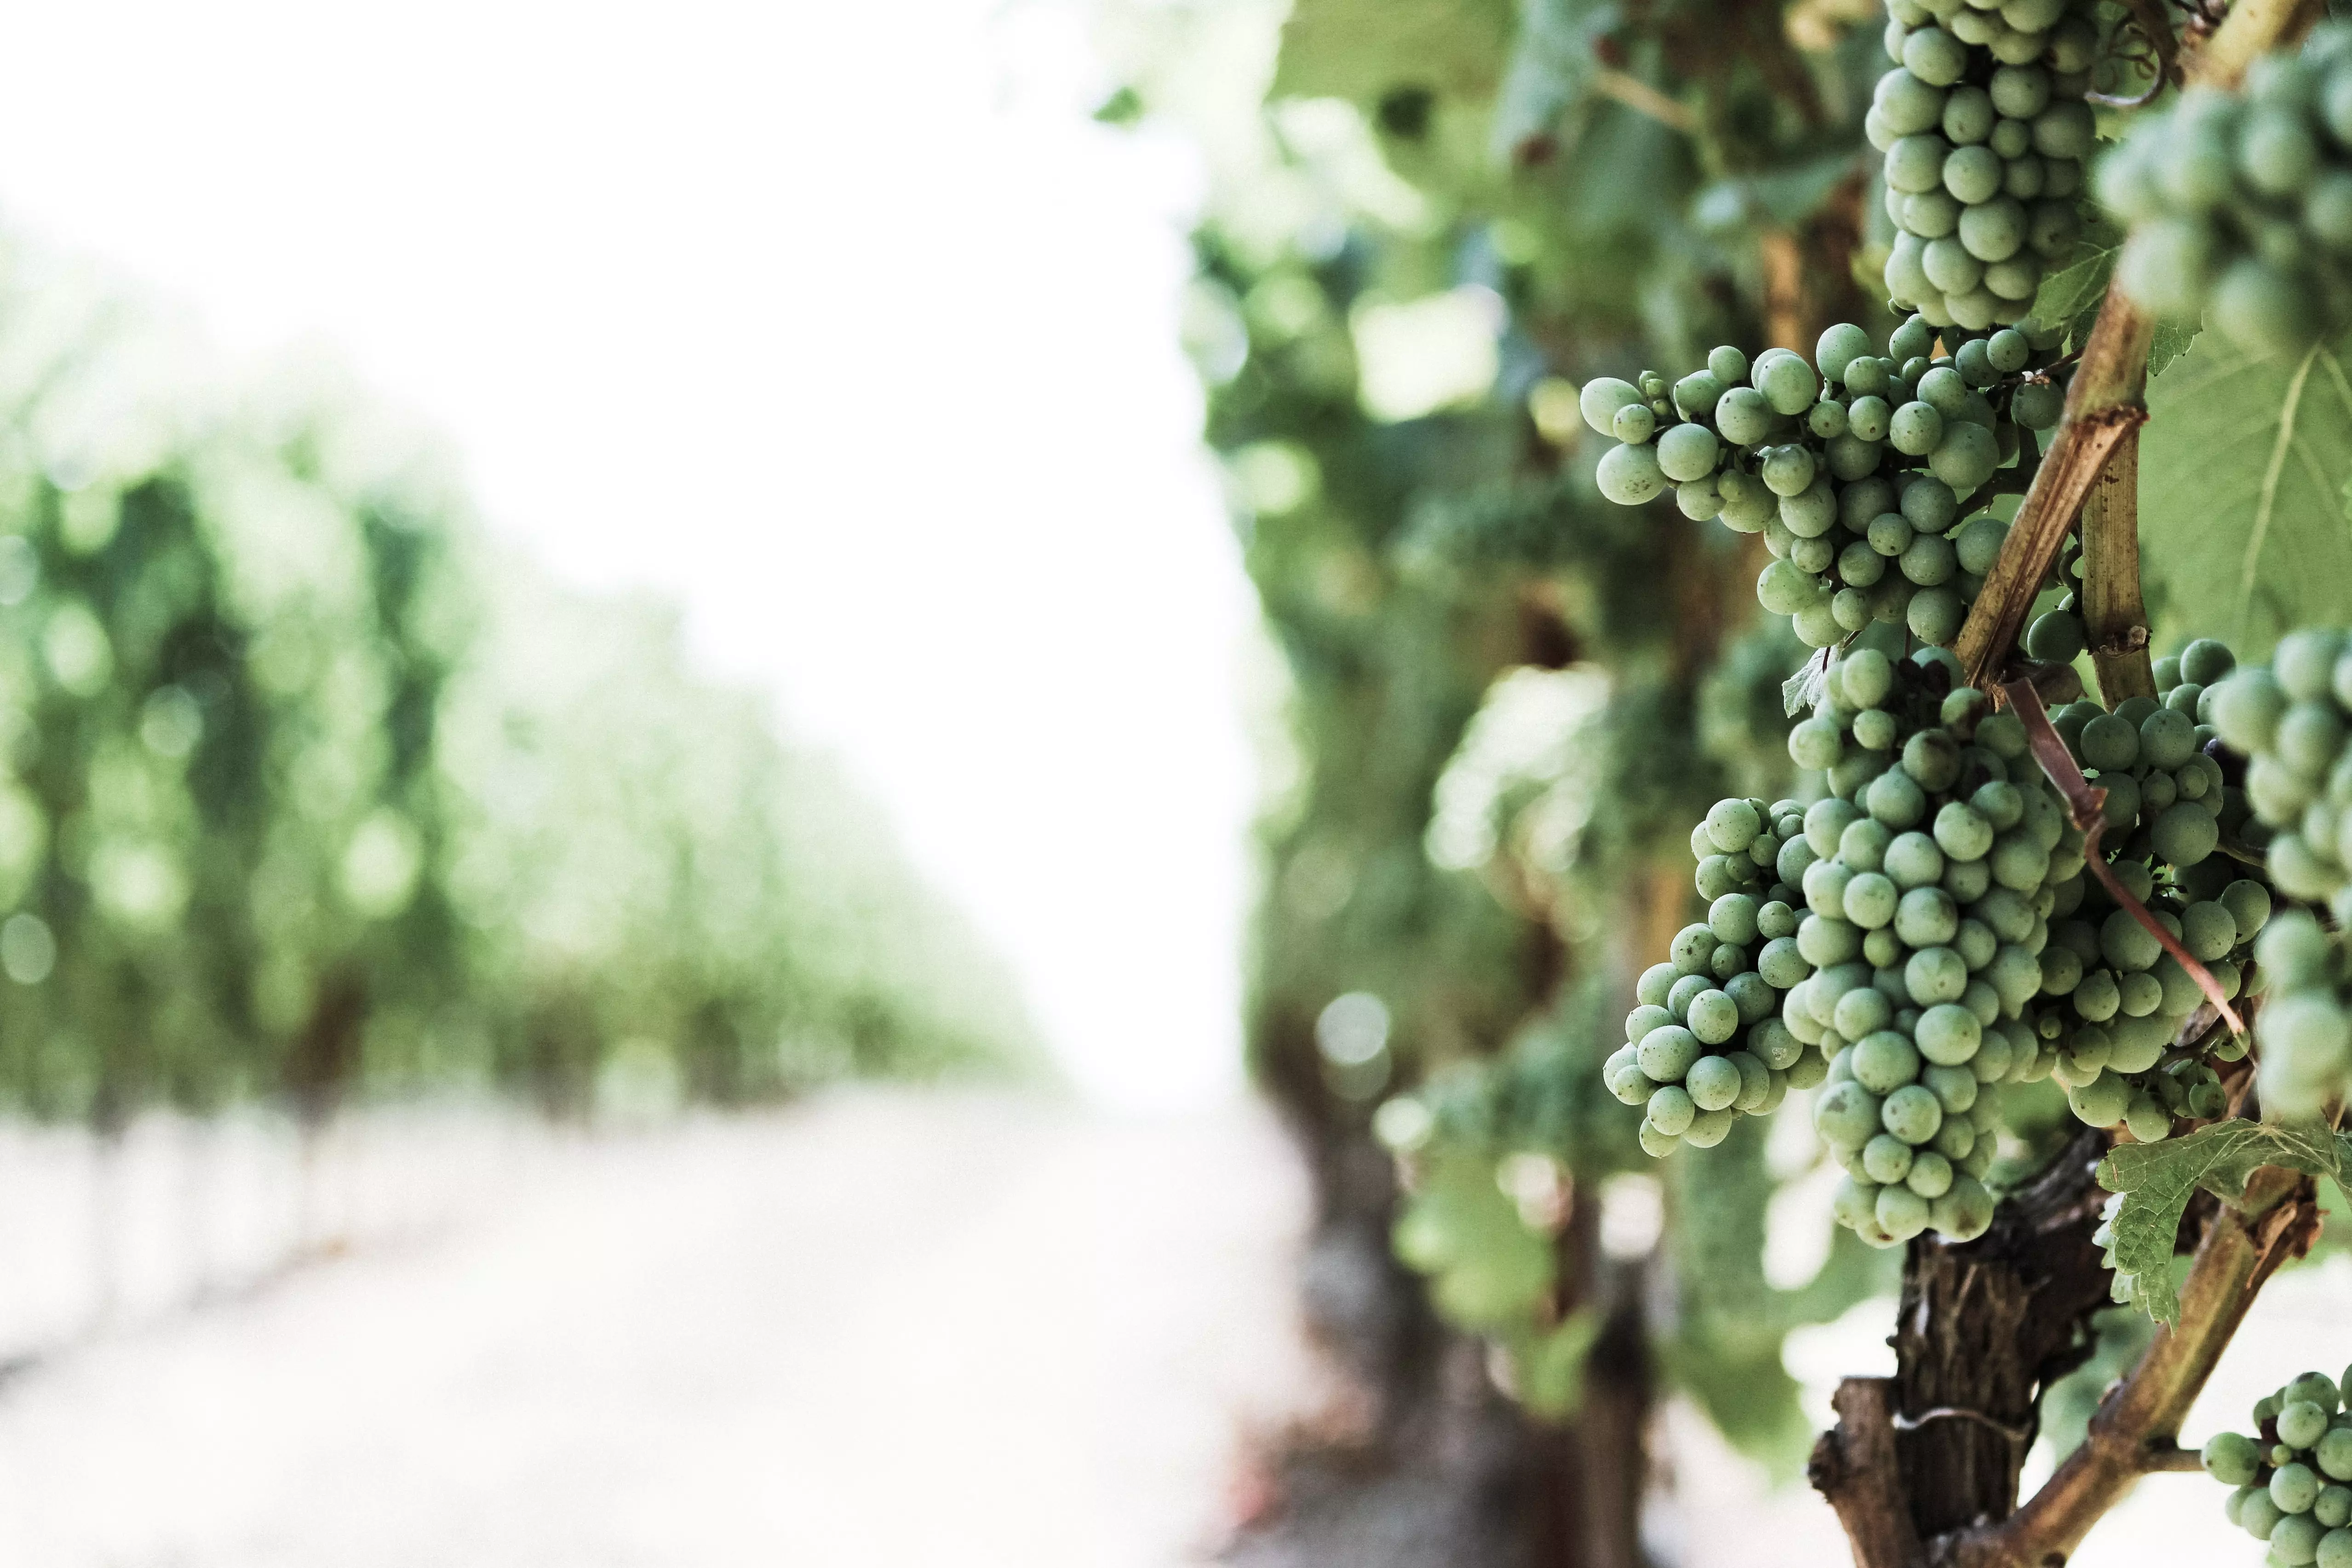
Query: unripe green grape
[[1966, 457], [2065, 130], [1743, 416], [2012, 141], [1965, 1211], [2258, 1515], [1971, 175], [1902, 1213], [2038, 405], [1847, 1115], [1838, 347], [1968, 115], [1935, 56], [2332, 1454], [2262, 308], [1789, 471], [2101, 1103], [1687, 452], [2051, 224], [1670, 1110], [1601, 399], [2233, 1459], [1910, 341], [2276, 154], [2293, 1487], [1726, 365], [1629, 476], [1697, 394], [2301, 1422], [1916, 163], [2186, 833], [1908, 105], [2147, 1120], [1698, 499], [1915, 429], [1993, 231], [1788, 384], [2295, 1541], [1930, 215], [2020, 92], [1826, 420]]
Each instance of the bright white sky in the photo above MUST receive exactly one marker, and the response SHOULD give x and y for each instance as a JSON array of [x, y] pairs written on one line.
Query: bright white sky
[[839, 323]]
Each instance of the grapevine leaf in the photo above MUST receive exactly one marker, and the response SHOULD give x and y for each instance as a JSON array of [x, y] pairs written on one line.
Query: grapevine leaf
[[2157, 1180], [2171, 341], [1368, 49], [2070, 295], [1802, 689], [2243, 464]]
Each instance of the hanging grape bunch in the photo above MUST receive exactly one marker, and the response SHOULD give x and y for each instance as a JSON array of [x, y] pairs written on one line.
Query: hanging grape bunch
[[2240, 203], [1705, 1043], [2303, 1031], [2119, 999], [1985, 130], [1908, 903], [1862, 478], [2290, 721], [1940, 850], [2290, 1477]]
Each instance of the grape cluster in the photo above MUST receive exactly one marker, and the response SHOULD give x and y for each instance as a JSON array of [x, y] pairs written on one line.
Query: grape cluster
[[2119, 999], [2290, 1477], [2239, 204], [1860, 474], [1985, 130], [1705, 1042], [1927, 872], [2303, 1028], [2291, 719]]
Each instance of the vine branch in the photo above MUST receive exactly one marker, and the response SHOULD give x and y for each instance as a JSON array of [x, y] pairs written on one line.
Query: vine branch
[[2137, 1425]]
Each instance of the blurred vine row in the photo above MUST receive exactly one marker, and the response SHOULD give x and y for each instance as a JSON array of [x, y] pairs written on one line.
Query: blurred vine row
[[310, 793]]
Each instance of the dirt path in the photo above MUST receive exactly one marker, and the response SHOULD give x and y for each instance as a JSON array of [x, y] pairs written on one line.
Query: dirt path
[[886, 1329]]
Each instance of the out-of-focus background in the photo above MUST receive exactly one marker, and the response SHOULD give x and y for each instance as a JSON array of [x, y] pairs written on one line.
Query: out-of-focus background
[[746, 746]]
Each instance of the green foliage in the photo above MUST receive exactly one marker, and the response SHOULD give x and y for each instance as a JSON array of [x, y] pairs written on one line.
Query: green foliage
[[2243, 521], [2154, 1182], [263, 828]]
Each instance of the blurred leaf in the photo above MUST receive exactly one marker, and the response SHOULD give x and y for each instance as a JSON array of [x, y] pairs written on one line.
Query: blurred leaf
[[1551, 1367], [1552, 65], [1365, 50]]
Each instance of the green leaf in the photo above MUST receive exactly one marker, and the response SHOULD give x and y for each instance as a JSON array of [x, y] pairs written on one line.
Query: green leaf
[[2171, 341], [1802, 689], [2070, 295], [1367, 49], [2243, 469], [2157, 1180]]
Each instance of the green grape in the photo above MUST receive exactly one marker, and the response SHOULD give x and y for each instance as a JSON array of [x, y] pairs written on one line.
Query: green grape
[[1602, 398], [1687, 452], [1629, 476]]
